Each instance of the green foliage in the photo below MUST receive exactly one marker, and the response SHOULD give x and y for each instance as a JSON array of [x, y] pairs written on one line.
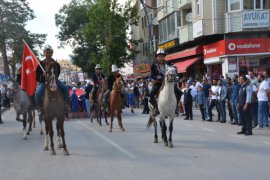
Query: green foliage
[[98, 31], [13, 18]]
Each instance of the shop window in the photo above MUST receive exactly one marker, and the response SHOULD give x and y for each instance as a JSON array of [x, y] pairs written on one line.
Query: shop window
[[234, 5], [248, 4], [266, 4]]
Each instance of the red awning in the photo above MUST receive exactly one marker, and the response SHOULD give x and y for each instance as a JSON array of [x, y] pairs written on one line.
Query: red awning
[[198, 50], [183, 65]]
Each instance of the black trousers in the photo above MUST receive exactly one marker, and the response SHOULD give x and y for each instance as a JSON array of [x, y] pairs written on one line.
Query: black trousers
[[230, 110], [153, 93], [188, 110], [202, 111], [246, 118], [211, 106], [145, 106]]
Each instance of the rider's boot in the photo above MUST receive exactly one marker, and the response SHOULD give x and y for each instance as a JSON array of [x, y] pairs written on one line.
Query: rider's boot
[[155, 110]]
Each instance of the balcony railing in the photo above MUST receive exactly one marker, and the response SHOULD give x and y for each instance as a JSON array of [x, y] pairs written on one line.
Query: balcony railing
[[185, 4], [186, 33]]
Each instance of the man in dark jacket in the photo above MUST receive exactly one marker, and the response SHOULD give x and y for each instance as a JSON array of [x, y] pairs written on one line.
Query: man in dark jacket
[[40, 77], [97, 78], [188, 102]]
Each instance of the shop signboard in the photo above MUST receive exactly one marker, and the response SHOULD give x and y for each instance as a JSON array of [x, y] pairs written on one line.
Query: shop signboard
[[256, 19], [214, 50]]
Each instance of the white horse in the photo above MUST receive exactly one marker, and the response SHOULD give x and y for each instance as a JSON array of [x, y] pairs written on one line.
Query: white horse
[[166, 106]]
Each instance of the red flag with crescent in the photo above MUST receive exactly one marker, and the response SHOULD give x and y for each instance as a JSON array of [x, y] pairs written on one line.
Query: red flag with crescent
[[29, 66]]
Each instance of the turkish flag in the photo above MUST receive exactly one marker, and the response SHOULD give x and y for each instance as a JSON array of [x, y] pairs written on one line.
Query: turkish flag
[[29, 66]]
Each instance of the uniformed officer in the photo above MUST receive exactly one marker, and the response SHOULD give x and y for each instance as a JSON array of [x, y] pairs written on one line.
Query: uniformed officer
[[244, 107]]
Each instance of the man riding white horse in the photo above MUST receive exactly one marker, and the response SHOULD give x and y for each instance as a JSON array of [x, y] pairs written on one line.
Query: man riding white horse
[[97, 79], [157, 75], [40, 77]]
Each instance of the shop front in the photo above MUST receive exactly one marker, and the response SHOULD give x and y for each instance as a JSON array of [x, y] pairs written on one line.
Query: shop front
[[189, 62], [237, 56]]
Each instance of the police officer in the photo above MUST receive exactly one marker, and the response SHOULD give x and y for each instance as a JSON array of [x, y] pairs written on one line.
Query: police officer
[[40, 77], [97, 78], [244, 107]]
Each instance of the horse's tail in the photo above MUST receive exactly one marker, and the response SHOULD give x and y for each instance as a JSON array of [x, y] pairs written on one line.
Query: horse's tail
[[150, 121]]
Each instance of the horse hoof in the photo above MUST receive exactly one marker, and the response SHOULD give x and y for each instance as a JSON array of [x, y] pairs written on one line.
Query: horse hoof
[[170, 145], [53, 152], [30, 129], [156, 141], [66, 153], [46, 148], [123, 129], [107, 123], [24, 138], [28, 133], [41, 133], [110, 130], [60, 146], [166, 144]]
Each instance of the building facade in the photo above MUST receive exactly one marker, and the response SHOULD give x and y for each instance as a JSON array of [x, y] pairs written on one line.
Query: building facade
[[215, 36]]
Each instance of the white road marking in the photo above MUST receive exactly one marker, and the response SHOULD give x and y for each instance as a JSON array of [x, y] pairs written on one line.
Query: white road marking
[[123, 150], [266, 142], [209, 130], [237, 136]]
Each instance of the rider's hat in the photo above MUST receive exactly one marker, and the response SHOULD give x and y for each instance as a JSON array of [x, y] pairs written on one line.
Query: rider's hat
[[47, 47], [160, 51], [97, 66], [114, 68]]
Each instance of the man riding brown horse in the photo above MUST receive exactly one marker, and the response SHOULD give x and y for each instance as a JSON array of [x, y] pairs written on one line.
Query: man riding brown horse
[[40, 77]]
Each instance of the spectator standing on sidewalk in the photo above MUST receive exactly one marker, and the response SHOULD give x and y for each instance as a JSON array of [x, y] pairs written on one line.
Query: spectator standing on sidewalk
[[194, 92], [229, 98], [137, 95], [201, 100], [221, 98], [206, 90], [145, 94], [188, 102], [244, 107], [88, 90], [131, 99], [235, 87], [213, 103], [263, 94]]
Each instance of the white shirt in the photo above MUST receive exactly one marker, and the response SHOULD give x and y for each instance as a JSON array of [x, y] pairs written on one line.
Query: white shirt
[[219, 89], [214, 90], [194, 90], [262, 96]]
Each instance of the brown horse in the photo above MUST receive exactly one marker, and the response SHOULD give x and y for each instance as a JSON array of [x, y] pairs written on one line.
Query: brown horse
[[115, 102], [54, 107]]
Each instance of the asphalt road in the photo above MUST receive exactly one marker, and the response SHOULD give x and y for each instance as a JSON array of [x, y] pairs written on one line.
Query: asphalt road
[[202, 150]]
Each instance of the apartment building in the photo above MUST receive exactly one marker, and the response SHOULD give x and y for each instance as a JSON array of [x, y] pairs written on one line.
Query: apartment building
[[215, 36], [147, 32]]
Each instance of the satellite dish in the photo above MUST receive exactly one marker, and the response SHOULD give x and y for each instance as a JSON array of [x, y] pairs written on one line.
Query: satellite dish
[[189, 17], [155, 21]]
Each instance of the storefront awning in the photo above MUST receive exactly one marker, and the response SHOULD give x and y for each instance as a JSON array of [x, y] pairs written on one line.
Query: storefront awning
[[183, 65], [198, 50]]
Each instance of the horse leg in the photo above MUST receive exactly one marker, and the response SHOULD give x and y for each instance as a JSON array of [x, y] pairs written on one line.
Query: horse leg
[[24, 127], [106, 115], [51, 137], [59, 145], [111, 114], [30, 119], [34, 118], [170, 136], [99, 116], [119, 117], [164, 130], [40, 122], [46, 148], [63, 138], [156, 136]]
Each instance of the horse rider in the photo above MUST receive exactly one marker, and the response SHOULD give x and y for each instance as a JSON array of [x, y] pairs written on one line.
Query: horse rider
[[157, 76], [97, 79], [18, 68], [40, 77], [111, 79]]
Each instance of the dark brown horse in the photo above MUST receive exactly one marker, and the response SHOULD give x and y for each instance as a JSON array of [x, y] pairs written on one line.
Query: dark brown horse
[[115, 102], [54, 107], [98, 108]]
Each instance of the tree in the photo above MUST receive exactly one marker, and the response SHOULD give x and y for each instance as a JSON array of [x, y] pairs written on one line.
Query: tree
[[98, 32], [13, 18]]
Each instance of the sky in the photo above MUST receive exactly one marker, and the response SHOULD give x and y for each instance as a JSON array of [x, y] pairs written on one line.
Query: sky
[[45, 23]]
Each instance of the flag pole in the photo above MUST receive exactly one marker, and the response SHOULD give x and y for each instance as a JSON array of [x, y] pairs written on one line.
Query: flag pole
[[34, 55]]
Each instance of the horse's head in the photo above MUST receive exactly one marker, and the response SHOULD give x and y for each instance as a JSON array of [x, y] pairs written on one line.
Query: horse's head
[[12, 87], [170, 73], [51, 76]]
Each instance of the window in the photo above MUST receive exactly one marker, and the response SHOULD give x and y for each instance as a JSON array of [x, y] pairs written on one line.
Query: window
[[258, 4], [197, 7], [234, 5], [266, 4], [248, 4]]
